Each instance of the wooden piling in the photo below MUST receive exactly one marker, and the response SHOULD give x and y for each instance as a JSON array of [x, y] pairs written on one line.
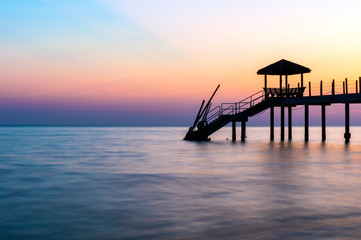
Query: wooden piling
[[234, 131], [306, 123], [343, 87], [243, 131], [289, 123], [347, 134], [323, 122], [282, 123], [321, 88], [333, 87], [359, 80], [309, 88], [272, 123]]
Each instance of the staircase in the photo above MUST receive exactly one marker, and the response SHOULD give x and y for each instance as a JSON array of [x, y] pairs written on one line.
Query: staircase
[[225, 113]]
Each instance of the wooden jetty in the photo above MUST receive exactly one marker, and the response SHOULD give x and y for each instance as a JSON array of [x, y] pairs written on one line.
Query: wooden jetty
[[210, 120]]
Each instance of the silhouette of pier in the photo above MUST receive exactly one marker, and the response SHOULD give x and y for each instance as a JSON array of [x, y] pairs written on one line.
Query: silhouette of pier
[[210, 120]]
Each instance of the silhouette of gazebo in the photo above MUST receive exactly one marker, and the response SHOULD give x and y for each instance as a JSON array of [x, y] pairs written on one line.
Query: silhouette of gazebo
[[283, 68]]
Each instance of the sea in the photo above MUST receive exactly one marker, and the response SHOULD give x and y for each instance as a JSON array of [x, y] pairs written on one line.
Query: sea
[[147, 183]]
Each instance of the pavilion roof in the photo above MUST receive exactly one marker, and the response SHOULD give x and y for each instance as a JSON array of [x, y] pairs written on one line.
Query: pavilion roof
[[283, 67]]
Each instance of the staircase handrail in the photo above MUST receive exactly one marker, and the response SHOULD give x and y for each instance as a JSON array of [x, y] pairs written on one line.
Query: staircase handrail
[[251, 102], [220, 112], [244, 100], [234, 108], [212, 115]]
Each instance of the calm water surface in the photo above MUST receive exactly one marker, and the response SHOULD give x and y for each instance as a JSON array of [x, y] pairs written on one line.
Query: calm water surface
[[146, 183]]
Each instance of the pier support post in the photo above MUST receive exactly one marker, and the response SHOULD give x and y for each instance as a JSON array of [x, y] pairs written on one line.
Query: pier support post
[[347, 134], [289, 123], [282, 123], [323, 122], [272, 123], [306, 123], [243, 131], [233, 131]]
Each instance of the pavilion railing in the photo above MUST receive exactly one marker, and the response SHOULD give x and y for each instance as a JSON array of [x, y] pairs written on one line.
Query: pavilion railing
[[334, 87], [312, 89]]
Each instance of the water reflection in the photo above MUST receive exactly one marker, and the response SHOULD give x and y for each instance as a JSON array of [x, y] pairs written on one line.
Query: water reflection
[[144, 183]]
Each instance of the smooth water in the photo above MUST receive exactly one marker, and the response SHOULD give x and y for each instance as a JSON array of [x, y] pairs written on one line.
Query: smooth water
[[146, 183]]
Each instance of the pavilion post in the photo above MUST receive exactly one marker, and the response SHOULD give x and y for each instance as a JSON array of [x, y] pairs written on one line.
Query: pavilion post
[[281, 85], [301, 80], [286, 83]]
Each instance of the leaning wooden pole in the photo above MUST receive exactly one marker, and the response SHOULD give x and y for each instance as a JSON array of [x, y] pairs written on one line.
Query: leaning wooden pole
[[206, 108], [198, 115]]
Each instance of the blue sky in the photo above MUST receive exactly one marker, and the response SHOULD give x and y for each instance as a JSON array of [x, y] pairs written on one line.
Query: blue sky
[[133, 61]]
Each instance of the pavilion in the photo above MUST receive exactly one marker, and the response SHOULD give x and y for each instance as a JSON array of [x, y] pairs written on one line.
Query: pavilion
[[283, 68]]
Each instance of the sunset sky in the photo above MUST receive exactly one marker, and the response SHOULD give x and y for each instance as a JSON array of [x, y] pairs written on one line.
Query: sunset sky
[[151, 62]]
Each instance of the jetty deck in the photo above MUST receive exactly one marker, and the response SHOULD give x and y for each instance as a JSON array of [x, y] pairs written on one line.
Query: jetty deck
[[209, 120]]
